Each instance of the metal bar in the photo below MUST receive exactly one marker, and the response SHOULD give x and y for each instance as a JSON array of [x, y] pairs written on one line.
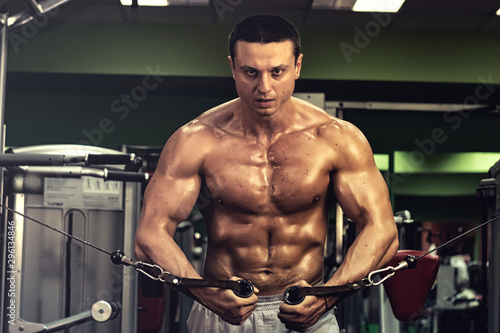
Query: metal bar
[[40, 8], [3, 72], [34, 6], [430, 107], [31, 159], [494, 277], [493, 294], [129, 288], [3, 78], [3, 252], [20, 19], [21, 325], [51, 4], [19, 205], [79, 172], [485, 244], [68, 322], [101, 311]]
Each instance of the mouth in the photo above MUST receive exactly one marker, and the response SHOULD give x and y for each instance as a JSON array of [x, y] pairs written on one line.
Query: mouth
[[264, 102]]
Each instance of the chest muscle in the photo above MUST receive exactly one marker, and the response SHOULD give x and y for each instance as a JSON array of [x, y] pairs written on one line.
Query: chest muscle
[[289, 176]]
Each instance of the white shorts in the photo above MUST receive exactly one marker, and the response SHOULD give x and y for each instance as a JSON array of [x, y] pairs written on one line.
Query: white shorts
[[263, 319]]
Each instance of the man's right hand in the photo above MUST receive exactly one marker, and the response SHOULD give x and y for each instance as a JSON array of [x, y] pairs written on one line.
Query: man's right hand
[[224, 302]]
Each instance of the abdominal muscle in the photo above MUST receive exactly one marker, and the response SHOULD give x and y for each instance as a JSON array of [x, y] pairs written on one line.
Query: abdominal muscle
[[272, 253]]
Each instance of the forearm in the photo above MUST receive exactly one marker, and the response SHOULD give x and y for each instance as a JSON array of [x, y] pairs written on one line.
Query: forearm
[[372, 248], [368, 252], [161, 249]]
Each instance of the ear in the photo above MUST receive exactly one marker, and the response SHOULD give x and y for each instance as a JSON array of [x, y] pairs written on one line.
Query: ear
[[298, 66], [231, 64]]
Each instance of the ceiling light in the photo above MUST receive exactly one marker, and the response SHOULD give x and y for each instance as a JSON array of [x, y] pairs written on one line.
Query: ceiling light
[[145, 2], [387, 6], [160, 3], [498, 12]]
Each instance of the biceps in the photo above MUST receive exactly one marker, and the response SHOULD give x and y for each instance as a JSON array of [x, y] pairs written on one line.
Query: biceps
[[363, 196], [169, 202]]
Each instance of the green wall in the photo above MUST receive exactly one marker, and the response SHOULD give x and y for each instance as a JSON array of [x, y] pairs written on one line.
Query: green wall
[[341, 53], [90, 120]]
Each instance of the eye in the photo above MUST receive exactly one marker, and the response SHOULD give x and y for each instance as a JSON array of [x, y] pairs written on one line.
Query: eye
[[250, 72], [278, 71]]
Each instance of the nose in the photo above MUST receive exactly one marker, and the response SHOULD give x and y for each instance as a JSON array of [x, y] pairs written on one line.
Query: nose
[[264, 85]]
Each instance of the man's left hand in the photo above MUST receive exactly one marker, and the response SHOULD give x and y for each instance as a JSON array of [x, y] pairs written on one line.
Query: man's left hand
[[303, 315]]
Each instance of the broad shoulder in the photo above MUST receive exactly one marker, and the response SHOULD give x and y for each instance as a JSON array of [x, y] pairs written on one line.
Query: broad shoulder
[[205, 128], [335, 129], [212, 123], [351, 148], [327, 126], [188, 147], [344, 142]]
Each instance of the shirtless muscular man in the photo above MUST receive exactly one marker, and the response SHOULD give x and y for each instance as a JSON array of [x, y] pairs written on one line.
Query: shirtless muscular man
[[274, 167]]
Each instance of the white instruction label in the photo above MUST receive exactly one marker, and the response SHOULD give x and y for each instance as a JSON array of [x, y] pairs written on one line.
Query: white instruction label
[[85, 193]]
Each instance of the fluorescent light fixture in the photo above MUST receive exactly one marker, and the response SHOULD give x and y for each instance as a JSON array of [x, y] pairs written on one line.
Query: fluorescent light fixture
[[386, 6], [162, 3], [498, 12], [146, 2]]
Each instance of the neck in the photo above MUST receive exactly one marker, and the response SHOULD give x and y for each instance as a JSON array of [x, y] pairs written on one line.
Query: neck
[[267, 128]]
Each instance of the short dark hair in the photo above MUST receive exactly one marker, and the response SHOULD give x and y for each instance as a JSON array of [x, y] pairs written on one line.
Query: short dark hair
[[264, 28]]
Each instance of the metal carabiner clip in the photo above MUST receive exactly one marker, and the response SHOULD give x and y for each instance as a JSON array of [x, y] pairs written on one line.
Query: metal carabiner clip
[[139, 266], [371, 275], [392, 270], [119, 258]]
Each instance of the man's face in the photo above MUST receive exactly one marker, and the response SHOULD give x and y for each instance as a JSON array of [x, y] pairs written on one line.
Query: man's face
[[265, 74]]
